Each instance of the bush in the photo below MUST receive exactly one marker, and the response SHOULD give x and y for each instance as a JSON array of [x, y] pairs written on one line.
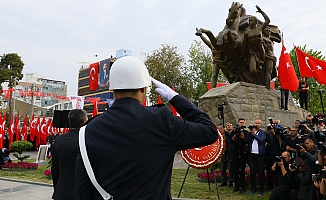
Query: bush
[[20, 147]]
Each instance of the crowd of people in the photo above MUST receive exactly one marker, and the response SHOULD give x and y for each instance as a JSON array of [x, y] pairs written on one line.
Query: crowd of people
[[293, 157]]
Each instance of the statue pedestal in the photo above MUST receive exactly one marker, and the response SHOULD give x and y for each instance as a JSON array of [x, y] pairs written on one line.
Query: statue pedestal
[[249, 101]]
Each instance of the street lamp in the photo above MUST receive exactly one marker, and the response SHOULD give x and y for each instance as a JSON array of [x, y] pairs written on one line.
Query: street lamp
[[32, 101]]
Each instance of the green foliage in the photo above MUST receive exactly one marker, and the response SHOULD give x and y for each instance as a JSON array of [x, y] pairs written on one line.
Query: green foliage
[[20, 147], [168, 66], [200, 68], [314, 102], [11, 68]]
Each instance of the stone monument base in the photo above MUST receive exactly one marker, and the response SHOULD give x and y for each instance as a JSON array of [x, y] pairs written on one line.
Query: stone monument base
[[249, 101]]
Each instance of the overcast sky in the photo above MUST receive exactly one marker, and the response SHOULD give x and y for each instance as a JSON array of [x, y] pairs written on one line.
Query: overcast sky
[[53, 38]]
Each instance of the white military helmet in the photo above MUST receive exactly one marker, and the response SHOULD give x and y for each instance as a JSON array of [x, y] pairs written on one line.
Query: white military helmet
[[128, 73]]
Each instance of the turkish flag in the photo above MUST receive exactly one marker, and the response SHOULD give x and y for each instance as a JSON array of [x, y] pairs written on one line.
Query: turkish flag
[[21, 93], [1, 132], [32, 126], [286, 73], [159, 100], [24, 128], [312, 67], [318, 71], [95, 111], [7, 93], [43, 131], [93, 76], [174, 112], [11, 130], [144, 103], [16, 128], [302, 57], [38, 132]]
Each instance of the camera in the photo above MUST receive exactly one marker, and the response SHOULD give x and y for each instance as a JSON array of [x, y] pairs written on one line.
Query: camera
[[294, 165], [301, 145], [279, 158], [252, 127], [321, 146], [318, 119], [319, 176], [238, 129], [221, 106], [278, 128]]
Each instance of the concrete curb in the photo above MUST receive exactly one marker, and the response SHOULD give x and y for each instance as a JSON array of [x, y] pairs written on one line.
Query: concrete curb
[[25, 181]]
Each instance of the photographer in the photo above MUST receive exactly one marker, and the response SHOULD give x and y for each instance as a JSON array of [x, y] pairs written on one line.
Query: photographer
[[273, 148], [256, 140], [319, 135], [290, 144], [308, 152], [320, 183], [281, 168], [226, 158], [319, 178], [4, 156], [239, 155], [306, 129], [300, 180]]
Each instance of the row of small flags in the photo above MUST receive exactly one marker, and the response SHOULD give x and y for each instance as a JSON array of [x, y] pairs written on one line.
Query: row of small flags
[[38, 129], [29, 93]]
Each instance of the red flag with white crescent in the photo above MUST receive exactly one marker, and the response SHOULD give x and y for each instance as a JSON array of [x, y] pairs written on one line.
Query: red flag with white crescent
[[286, 73], [16, 128], [11, 129], [304, 67], [1, 132], [38, 132], [93, 76], [32, 126], [24, 128], [159, 100], [43, 132]]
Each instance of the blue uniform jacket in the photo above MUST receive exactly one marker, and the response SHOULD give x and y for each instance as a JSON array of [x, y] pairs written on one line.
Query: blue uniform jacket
[[131, 148]]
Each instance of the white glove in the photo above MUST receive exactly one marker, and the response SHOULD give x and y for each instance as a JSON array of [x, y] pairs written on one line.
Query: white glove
[[165, 91]]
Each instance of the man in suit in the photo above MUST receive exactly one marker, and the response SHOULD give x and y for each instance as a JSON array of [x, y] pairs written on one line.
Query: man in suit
[[131, 147], [64, 155], [104, 75]]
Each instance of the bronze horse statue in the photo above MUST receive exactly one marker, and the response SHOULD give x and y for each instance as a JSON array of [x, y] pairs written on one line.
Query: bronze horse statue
[[228, 42]]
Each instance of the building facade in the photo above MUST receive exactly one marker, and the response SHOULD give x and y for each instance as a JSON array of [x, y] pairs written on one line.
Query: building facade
[[103, 92]]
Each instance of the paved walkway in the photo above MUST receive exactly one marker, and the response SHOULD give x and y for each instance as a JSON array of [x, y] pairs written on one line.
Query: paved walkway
[[17, 189]]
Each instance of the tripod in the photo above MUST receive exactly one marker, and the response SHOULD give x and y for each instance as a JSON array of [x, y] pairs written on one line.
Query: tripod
[[208, 181], [321, 99]]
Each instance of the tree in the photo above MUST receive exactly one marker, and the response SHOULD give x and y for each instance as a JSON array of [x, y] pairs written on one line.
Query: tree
[[314, 102], [20, 147], [200, 66], [168, 66], [11, 71]]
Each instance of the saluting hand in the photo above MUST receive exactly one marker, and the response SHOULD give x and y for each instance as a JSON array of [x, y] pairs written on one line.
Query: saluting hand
[[165, 91]]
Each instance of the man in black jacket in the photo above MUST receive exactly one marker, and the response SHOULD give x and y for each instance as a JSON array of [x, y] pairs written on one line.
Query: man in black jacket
[[131, 147], [226, 158], [281, 168], [239, 155], [64, 157]]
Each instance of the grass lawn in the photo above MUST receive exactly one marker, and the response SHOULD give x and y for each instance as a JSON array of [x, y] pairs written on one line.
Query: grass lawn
[[191, 189]]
